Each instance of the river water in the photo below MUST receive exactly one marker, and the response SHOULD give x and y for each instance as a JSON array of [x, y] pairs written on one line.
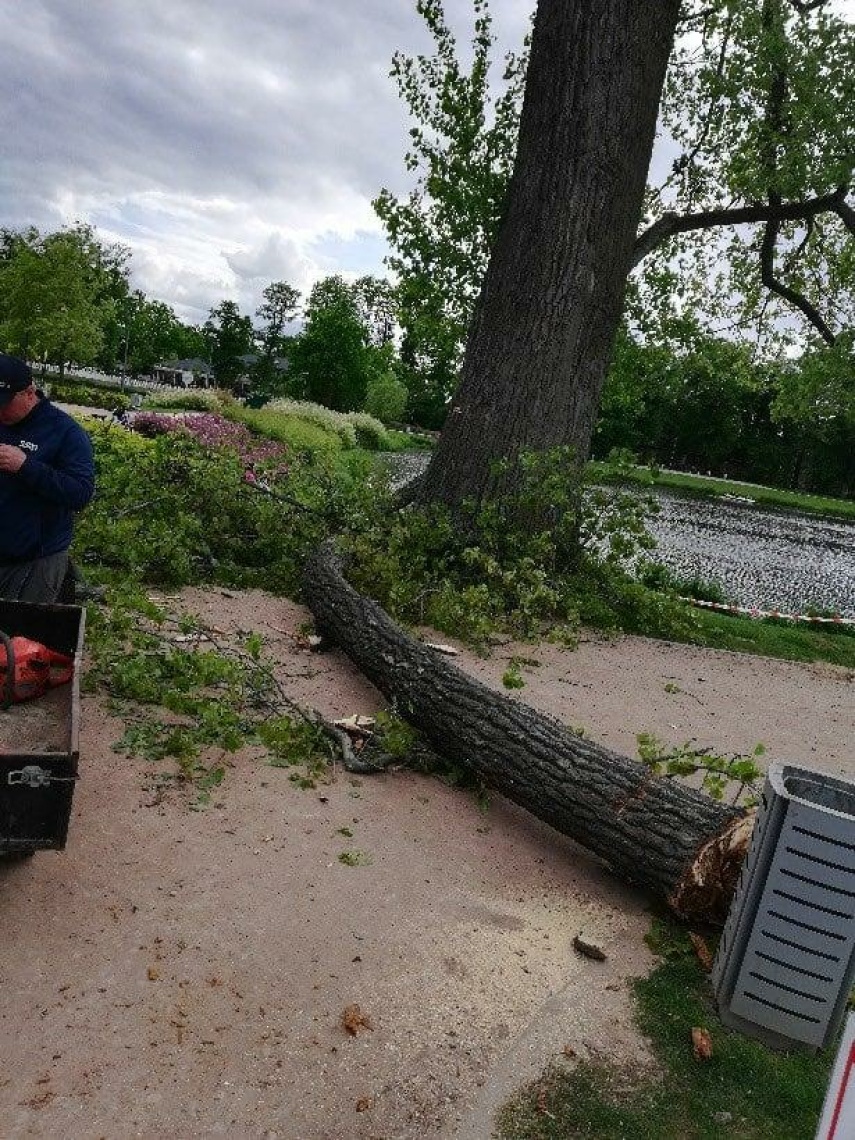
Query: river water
[[760, 557]]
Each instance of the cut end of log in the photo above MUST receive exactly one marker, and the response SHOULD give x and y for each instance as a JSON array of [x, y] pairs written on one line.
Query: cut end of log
[[706, 889]]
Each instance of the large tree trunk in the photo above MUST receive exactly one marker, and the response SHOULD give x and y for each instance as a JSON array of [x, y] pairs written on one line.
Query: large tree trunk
[[541, 339], [666, 837]]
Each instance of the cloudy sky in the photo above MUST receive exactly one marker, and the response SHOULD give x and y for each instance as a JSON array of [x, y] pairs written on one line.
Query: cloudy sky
[[228, 145]]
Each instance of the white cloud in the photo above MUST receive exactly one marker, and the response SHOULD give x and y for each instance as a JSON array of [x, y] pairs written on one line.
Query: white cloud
[[224, 144], [221, 143]]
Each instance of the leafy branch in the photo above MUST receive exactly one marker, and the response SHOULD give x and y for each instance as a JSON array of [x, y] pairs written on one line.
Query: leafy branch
[[719, 773]]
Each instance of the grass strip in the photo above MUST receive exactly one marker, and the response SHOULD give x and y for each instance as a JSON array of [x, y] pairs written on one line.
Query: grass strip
[[744, 1090], [706, 486]]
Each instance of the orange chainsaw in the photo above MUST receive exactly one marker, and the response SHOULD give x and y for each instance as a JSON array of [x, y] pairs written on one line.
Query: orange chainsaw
[[28, 669]]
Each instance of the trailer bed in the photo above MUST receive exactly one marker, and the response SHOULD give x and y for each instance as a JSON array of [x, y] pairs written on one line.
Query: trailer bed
[[39, 750]]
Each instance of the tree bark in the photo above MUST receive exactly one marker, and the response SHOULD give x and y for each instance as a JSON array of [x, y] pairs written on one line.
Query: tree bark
[[654, 832], [542, 336]]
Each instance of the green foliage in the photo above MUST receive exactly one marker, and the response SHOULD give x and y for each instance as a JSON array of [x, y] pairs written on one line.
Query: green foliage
[[189, 695], [57, 292], [757, 102], [289, 423], [541, 558], [377, 306], [192, 400], [296, 744], [336, 423], [229, 335], [353, 429], [355, 859], [766, 1095], [461, 151], [200, 695], [386, 398], [817, 391], [756, 99], [141, 333], [331, 360], [512, 677], [370, 432], [708, 487], [707, 404], [397, 737], [660, 577], [739, 775], [88, 395], [170, 510]]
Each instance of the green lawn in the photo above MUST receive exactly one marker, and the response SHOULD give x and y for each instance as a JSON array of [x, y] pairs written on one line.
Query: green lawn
[[774, 638], [707, 486], [744, 1090]]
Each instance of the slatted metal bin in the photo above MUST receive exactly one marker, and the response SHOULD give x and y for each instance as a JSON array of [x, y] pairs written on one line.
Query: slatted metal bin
[[39, 739], [786, 960]]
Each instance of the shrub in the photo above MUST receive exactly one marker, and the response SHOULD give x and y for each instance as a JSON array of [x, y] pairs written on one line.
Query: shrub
[[386, 398], [299, 434], [370, 433], [216, 432], [92, 397], [192, 400], [335, 422], [354, 429]]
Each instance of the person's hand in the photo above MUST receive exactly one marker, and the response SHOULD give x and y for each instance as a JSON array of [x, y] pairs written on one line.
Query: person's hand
[[11, 458]]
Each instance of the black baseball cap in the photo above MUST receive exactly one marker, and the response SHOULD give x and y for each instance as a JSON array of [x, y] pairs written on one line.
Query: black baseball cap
[[15, 376]]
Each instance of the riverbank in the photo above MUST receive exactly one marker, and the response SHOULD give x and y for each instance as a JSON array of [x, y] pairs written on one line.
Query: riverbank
[[759, 554]]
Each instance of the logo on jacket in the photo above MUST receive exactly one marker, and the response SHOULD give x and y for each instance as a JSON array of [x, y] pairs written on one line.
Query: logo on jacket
[[28, 445]]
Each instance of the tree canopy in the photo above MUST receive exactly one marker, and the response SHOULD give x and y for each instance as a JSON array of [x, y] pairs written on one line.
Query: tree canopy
[[57, 292], [753, 227], [462, 146]]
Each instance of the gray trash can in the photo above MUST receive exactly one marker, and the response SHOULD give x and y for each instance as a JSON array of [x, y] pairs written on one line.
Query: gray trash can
[[786, 960]]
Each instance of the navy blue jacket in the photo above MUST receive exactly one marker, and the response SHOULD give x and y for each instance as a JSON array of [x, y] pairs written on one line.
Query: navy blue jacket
[[37, 502]]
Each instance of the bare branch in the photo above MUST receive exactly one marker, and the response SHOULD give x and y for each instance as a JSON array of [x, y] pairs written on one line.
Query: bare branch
[[697, 17], [686, 160], [793, 256], [792, 296], [846, 214], [805, 6], [671, 223]]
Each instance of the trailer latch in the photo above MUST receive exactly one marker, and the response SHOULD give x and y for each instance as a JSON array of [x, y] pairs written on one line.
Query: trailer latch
[[35, 777]]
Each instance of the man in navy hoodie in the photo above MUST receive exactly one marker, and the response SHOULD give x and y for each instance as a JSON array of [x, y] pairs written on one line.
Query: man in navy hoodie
[[47, 473]]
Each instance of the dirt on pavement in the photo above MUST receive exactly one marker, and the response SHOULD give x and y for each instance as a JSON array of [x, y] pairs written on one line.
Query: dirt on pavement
[[186, 973]]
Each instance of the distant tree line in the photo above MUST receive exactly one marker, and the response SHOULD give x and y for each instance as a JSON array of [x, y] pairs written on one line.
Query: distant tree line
[[65, 297], [692, 402], [709, 405]]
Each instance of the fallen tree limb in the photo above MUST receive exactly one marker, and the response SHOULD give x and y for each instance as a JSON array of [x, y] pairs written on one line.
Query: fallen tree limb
[[661, 835]]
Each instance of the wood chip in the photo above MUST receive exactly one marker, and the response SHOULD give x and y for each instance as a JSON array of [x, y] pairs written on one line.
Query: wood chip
[[353, 1019], [357, 724], [448, 650], [588, 950], [702, 951], [701, 1043]]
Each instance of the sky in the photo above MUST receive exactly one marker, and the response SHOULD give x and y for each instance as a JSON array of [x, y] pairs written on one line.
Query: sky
[[227, 145]]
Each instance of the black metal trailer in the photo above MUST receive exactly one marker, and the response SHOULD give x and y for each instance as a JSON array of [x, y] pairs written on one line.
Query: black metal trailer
[[39, 738]]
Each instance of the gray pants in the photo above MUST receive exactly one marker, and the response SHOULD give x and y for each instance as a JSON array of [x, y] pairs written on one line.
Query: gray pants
[[36, 581]]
